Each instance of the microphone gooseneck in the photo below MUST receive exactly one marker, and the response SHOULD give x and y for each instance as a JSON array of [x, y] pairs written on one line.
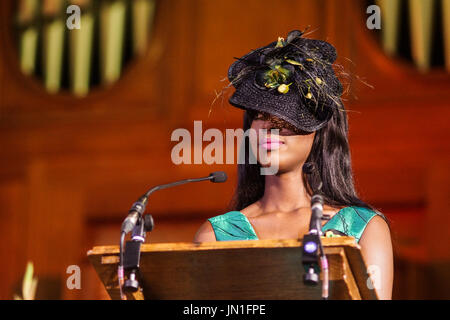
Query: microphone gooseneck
[[138, 208], [316, 213]]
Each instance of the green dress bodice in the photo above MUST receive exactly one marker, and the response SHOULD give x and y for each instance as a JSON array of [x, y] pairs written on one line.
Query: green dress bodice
[[234, 225]]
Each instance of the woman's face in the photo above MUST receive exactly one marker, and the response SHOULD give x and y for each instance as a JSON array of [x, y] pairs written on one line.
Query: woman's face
[[290, 147]]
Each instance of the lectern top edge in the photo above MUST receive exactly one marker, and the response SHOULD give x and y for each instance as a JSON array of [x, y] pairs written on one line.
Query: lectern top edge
[[190, 246]]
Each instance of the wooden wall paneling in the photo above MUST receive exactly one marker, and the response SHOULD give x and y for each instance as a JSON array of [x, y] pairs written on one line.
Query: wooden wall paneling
[[339, 29], [177, 75], [228, 29], [395, 172], [54, 225], [438, 209], [435, 230], [107, 160], [13, 213]]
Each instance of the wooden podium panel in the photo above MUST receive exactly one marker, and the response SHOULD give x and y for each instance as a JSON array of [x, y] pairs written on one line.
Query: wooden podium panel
[[251, 269]]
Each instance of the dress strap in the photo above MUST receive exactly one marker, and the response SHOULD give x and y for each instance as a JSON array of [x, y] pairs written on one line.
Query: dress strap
[[232, 225], [350, 221]]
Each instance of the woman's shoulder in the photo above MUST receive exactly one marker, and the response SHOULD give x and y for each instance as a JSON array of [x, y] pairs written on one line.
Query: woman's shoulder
[[205, 233]]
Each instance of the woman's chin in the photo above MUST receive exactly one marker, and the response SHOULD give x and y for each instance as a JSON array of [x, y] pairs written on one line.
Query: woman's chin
[[274, 167]]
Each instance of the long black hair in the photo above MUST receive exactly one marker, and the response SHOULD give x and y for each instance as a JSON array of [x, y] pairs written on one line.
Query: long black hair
[[327, 170]]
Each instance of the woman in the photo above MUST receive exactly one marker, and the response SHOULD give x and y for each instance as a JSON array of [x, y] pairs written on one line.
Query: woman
[[290, 85]]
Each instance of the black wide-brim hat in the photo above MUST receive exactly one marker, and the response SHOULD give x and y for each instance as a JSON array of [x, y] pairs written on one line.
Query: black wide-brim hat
[[300, 65]]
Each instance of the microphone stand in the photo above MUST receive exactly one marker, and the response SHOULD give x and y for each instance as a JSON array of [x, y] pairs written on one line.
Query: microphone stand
[[133, 252], [312, 249], [139, 224]]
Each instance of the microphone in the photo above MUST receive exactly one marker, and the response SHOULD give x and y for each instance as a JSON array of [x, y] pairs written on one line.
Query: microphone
[[316, 213], [138, 208], [218, 177], [313, 250]]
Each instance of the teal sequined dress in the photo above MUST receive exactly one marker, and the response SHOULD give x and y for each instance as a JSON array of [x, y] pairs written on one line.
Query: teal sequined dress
[[234, 225]]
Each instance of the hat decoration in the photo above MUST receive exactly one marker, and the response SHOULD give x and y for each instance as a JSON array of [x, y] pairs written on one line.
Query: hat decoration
[[292, 79]]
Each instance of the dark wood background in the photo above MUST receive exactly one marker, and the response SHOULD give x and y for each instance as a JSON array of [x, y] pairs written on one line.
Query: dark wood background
[[70, 168]]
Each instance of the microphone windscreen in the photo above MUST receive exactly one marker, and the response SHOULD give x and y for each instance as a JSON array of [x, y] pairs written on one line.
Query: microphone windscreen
[[218, 176]]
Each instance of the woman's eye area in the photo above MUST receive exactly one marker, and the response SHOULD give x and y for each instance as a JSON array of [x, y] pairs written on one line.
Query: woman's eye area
[[276, 123], [259, 116]]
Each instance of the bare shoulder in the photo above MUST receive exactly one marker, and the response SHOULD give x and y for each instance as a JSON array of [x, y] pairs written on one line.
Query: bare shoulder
[[377, 229], [205, 233], [376, 249], [377, 237]]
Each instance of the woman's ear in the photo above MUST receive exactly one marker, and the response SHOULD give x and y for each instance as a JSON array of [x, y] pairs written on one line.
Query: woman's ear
[[309, 167]]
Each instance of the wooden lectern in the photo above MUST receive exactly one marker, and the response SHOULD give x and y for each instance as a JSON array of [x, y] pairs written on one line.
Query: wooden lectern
[[252, 269]]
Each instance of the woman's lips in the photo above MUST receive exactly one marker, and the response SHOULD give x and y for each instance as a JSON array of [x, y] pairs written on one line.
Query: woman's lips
[[271, 144]]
